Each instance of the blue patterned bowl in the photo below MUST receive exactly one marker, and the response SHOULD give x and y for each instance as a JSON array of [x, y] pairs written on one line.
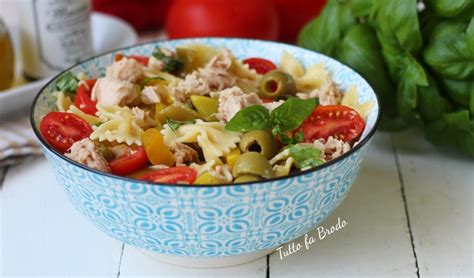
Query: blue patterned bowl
[[228, 223]]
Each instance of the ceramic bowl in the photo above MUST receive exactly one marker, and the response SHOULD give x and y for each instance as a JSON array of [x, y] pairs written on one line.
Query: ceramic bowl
[[210, 225]]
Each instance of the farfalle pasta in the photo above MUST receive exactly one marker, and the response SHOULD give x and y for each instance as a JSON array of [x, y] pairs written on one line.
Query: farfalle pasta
[[201, 115]]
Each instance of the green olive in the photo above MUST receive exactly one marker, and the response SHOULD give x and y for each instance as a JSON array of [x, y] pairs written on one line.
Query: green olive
[[179, 112], [276, 84], [260, 141], [253, 163], [247, 178]]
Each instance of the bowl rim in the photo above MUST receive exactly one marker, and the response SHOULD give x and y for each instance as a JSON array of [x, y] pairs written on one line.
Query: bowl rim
[[127, 179]]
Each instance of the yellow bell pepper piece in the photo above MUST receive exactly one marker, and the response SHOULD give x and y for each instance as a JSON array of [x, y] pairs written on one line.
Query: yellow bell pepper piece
[[232, 157], [206, 178], [159, 117], [205, 106], [157, 151]]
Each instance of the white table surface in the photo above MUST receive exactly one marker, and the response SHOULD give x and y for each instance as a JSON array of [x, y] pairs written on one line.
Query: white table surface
[[409, 214]]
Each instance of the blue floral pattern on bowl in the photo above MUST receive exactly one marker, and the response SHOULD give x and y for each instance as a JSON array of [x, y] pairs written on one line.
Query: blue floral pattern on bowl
[[211, 221]]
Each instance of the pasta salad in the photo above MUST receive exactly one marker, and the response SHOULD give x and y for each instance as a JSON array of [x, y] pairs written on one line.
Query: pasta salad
[[200, 115]]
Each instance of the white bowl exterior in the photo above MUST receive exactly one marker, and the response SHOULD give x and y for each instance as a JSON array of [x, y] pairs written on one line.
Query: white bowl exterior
[[219, 220]]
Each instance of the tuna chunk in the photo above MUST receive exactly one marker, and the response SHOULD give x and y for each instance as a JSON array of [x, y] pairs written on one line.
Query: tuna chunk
[[110, 92], [328, 93], [331, 148], [184, 154], [87, 153], [125, 69], [232, 100]]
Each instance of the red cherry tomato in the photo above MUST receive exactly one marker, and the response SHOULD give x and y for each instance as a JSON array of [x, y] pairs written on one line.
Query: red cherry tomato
[[260, 65], [180, 174], [126, 164], [338, 121], [83, 99], [217, 18], [294, 14], [140, 59], [62, 130]]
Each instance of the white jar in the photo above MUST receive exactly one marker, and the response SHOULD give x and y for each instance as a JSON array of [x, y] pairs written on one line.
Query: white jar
[[54, 35]]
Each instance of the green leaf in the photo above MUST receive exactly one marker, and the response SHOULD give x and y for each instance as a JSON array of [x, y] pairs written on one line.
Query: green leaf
[[174, 125], [325, 32], [450, 128], [399, 19], [287, 140], [360, 50], [172, 64], [255, 117], [431, 105], [148, 79], [450, 8], [450, 51], [67, 83], [292, 113], [459, 91], [305, 156]]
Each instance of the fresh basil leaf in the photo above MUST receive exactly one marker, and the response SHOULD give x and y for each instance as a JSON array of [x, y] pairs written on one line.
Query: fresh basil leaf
[[305, 156], [325, 32], [450, 8], [292, 113], [400, 20], [431, 105], [254, 117], [172, 64], [67, 83], [360, 50], [450, 51], [174, 125], [148, 79]]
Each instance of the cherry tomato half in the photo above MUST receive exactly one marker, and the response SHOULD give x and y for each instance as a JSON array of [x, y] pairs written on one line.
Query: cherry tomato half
[[338, 121], [126, 164], [83, 99], [62, 130], [140, 59], [180, 174], [261, 66]]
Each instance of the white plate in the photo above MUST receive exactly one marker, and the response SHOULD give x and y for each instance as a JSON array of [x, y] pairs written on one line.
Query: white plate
[[108, 33]]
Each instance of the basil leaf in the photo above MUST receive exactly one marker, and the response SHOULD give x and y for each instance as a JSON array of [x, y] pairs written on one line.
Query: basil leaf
[[254, 117], [292, 113], [360, 50], [67, 83], [171, 64], [325, 32], [174, 125], [431, 105], [305, 156], [450, 8], [450, 51], [148, 79]]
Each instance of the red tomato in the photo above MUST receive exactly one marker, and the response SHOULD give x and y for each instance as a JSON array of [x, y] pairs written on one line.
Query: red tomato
[[138, 13], [83, 99], [180, 174], [338, 121], [294, 14], [217, 18], [126, 164], [140, 59], [260, 65], [61, 130]]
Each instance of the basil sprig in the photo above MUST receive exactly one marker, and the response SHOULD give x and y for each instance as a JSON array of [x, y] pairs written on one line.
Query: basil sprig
[[67, 83], [284, 118], [172, 64], [305, 156], [174, 125]]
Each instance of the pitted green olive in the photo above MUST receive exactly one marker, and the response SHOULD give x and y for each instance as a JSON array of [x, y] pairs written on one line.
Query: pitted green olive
[[276, 84], [260, 141], [247, 178], [253, 163]]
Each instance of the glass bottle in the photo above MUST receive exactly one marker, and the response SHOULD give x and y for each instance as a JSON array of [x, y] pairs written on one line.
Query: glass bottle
[[54, 35], [7, 58]]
